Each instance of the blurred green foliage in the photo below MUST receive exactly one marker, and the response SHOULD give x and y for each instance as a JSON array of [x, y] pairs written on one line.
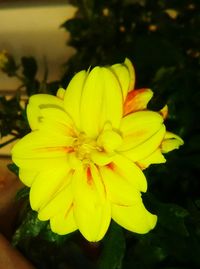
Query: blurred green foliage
[[162, 38]]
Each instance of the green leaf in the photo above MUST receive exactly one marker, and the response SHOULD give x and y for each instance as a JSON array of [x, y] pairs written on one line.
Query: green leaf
[[13, 168], [22, 193], [30, 227], [50, 236], [113, 248]]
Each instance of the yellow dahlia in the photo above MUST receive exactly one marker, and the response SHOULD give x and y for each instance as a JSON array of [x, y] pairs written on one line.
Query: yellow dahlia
[[83, 159]]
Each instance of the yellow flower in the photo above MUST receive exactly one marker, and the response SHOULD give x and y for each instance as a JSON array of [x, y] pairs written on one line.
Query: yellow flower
[[84, 156]]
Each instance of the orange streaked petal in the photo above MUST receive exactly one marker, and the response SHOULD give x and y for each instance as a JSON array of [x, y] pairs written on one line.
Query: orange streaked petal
[[37, 150], [137, 100], [164, 112], [92, 214], [147, 147], [137, 128]]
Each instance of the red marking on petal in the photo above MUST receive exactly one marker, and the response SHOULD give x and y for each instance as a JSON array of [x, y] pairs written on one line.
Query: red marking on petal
[[111, 166], [133, 101], [52, 149], [89, 176], [69, 149]]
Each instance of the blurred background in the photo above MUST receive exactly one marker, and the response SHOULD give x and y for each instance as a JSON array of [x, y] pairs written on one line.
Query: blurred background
[[43, 44]]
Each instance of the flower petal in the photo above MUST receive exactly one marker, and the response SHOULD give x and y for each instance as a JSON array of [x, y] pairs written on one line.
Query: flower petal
[[39, 147], [130, 172], [57, 122], [131, 70], [73, 95], [101, 101], [61, 93], [137, 100], [101, 158], [122, 73], [147, 147], [47, 183], [64, 222], [38, 102], [154, 158], [170, 142], [138, 127], [134, 218], [92, 214], [164, 112], [27, 176], [118, 189], [61, 202]]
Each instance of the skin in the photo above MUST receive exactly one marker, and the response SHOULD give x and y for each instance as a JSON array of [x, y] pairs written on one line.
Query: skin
[[10, 258]]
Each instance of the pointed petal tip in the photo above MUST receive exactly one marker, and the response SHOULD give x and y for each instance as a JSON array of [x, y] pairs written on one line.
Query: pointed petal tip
[[60, 93], [171, 142], [131, 70]]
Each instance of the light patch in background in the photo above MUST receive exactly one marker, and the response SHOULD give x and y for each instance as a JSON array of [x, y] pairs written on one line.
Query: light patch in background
[[35, 31]]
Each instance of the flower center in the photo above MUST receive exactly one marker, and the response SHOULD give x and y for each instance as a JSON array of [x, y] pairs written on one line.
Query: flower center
[[83, 146], [97, 150]]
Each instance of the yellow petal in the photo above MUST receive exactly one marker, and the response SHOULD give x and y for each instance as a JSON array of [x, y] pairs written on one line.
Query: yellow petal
[[38, 102], [98, 182], [61, 202], [122, 73], [47, 183], [131, 70], [39, 146], [147, 147], [137, 100], [164, 112], [92, 214], [109, 140], [134, 218], [101, 158], [118, 189], [130, 172], [63, 222], [60, 93], [155, 157], [73, 96], [171, 141], [138, 127], [27, 176], [57, 121], [101, 101]]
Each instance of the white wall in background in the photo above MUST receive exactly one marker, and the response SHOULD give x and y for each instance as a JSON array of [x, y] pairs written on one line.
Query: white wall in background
[[34, 31]]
